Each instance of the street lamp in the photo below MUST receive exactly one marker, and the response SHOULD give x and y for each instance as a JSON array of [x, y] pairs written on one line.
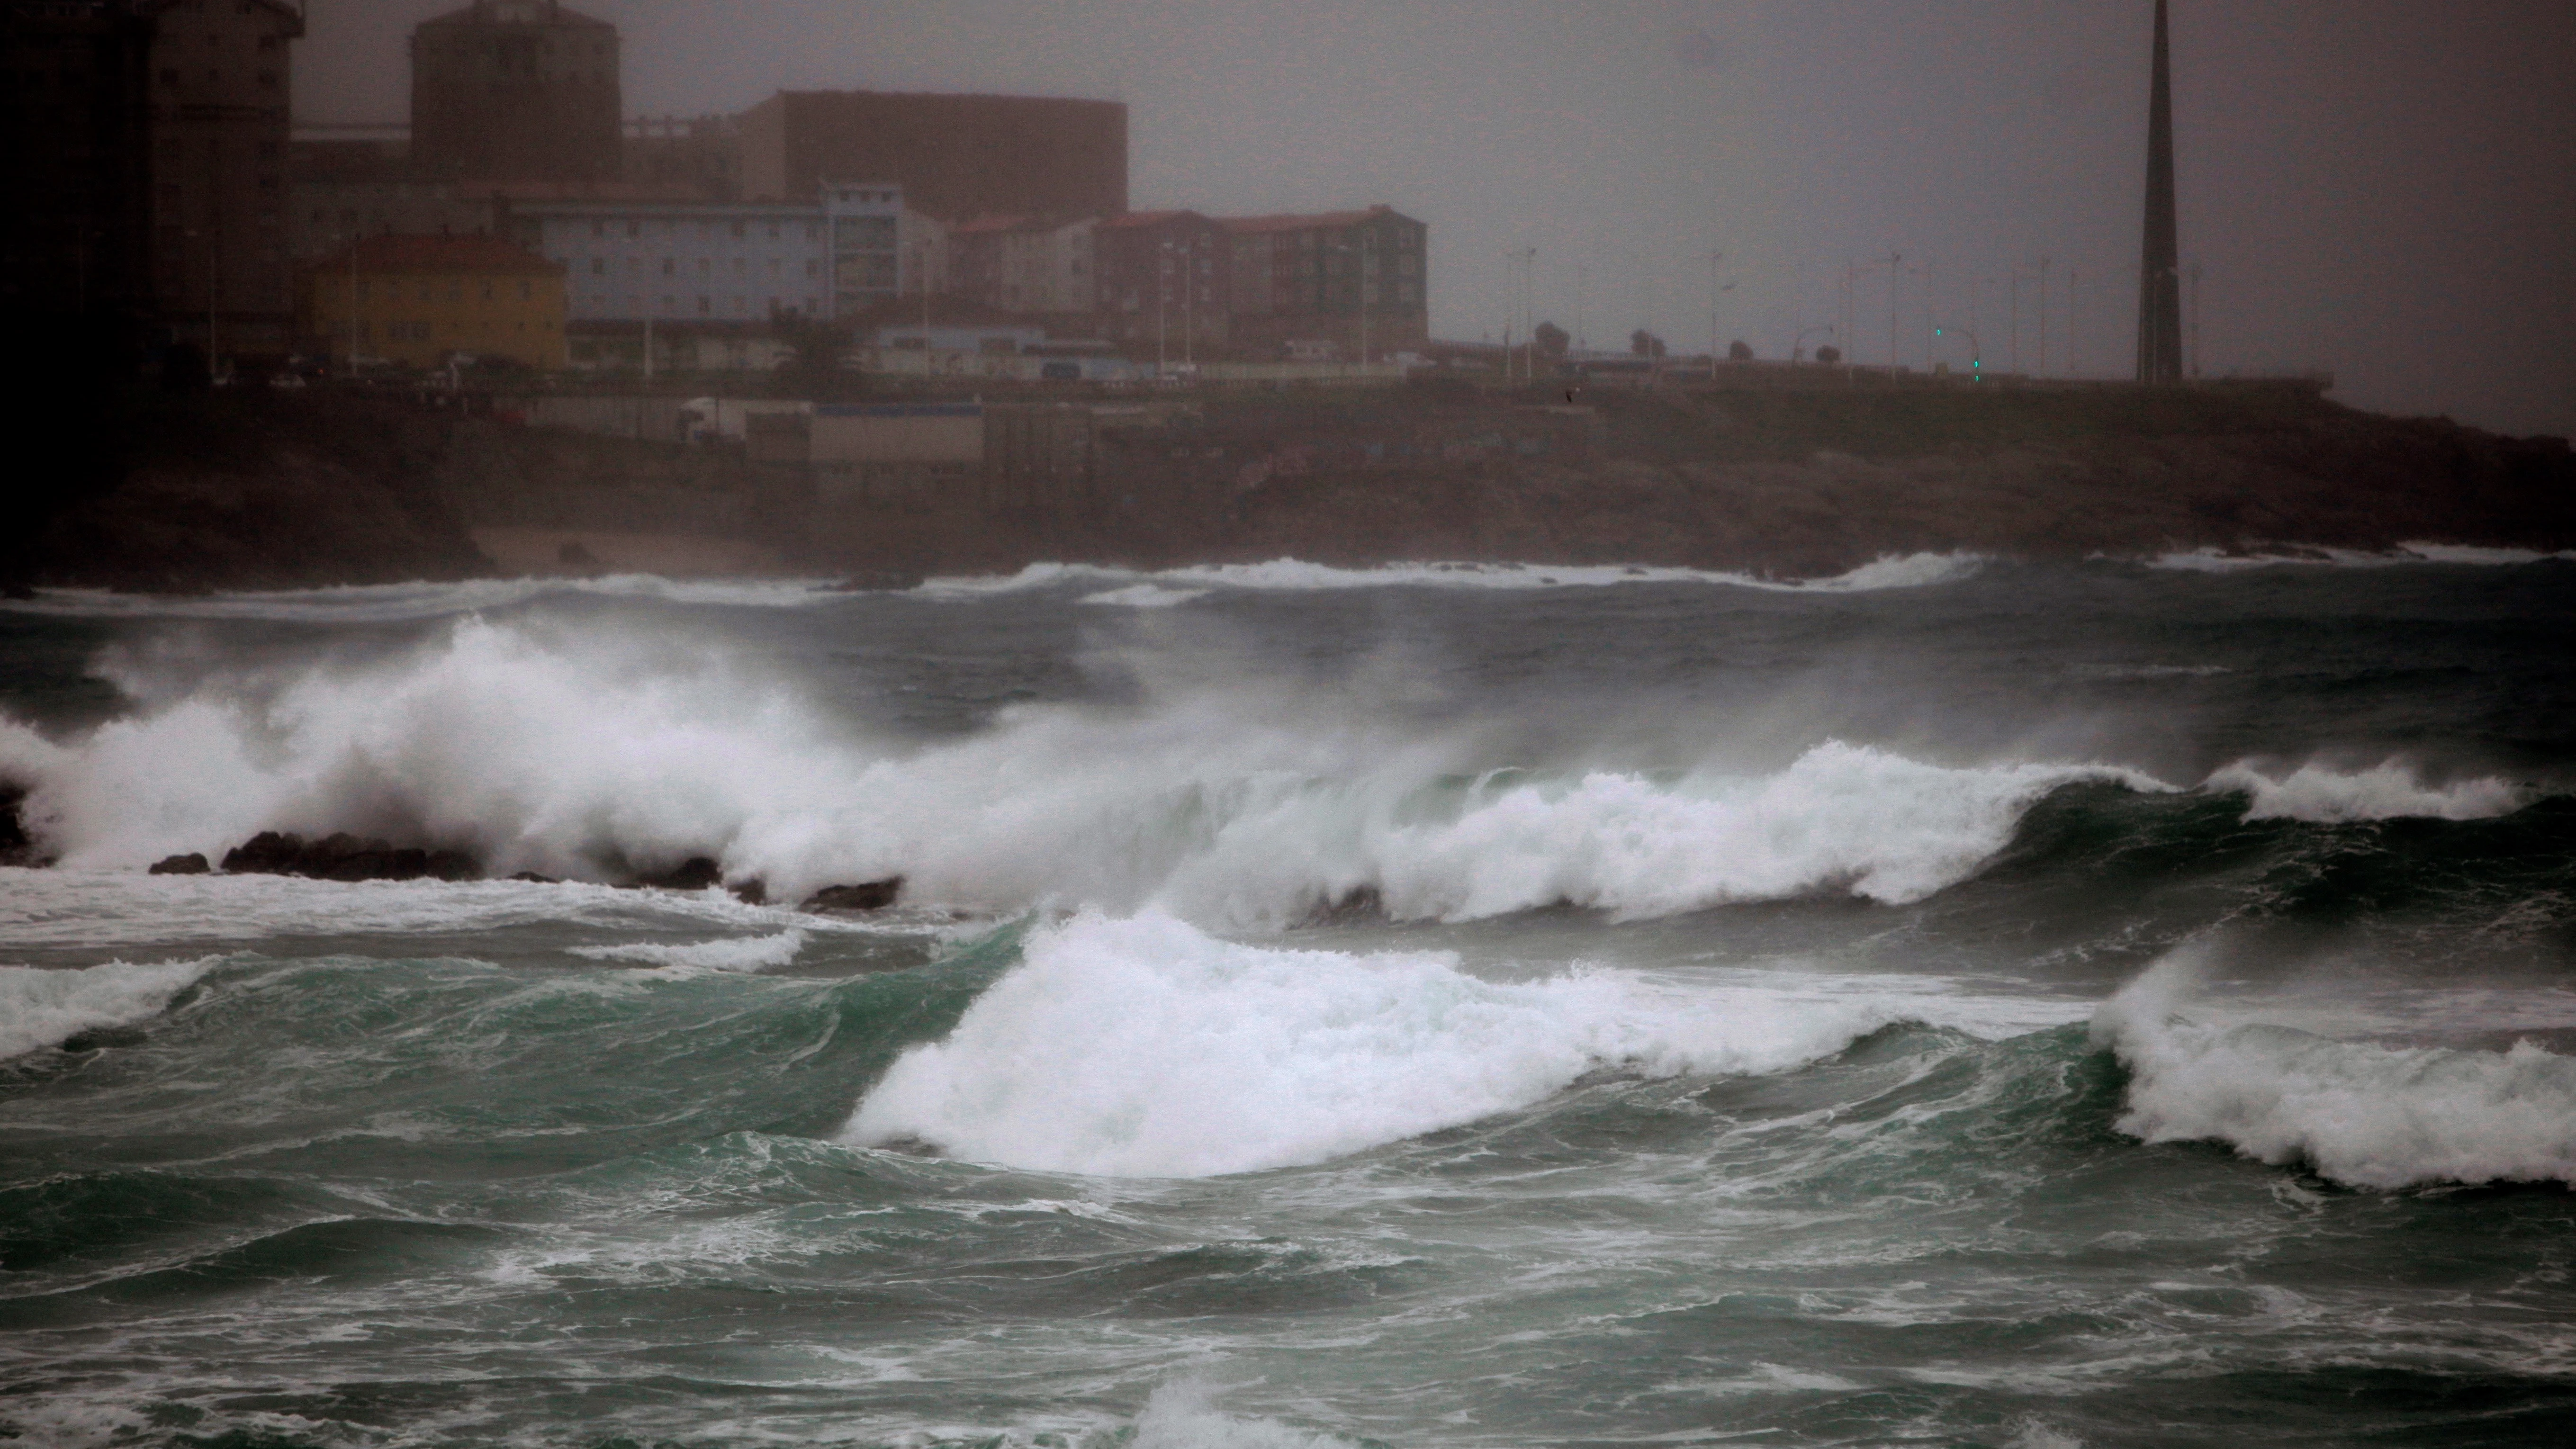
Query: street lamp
[[1976, 350]]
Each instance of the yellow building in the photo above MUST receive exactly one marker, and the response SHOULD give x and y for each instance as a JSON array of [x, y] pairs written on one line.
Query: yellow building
[[417, 300]]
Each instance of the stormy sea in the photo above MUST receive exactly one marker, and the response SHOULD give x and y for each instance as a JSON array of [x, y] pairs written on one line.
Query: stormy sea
[[1962, 1002]]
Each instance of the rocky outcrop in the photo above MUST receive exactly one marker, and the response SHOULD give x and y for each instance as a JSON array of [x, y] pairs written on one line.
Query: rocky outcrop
[[345, 857], [190, 864], [873, 895]]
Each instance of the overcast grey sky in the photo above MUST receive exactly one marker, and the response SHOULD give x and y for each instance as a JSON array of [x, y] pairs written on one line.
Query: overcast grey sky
[[2379, 187]]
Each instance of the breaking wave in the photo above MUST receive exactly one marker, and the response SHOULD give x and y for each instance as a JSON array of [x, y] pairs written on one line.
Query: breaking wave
[[2356, 1112], [1142, 1047], [45, 1008], [1229, 806]]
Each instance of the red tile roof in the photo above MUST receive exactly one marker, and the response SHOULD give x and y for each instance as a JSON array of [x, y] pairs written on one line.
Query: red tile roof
[[401, 252], [1147, 218], [1306, 221]]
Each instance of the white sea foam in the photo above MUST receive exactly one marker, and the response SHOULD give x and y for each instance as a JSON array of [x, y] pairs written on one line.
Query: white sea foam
[[42, 1008], [1289, 575], [2215, 561], [729, 953], [1245, 803], [1183, 1415], [1141, 1047], [393, 603], [112, 910], [1144, 596], [2320, 795], [2357, 1112]]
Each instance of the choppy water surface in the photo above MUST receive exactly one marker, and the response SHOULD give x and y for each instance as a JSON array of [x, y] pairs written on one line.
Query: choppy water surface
[[1958, 1004]]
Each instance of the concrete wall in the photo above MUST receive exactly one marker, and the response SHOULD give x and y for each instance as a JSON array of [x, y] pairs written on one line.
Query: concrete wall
[[898, 433]]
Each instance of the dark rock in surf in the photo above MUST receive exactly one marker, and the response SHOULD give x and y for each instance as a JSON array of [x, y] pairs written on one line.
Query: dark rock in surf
[[873, 895], [753, 892], [344, 857], [15, 847], [190, 864], [530, 877], [1361, 904], [693, 874]]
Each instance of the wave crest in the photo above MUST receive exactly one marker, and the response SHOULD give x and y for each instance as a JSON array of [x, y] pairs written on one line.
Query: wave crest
[[44, 1008], [2359, 1113], [1141, 1047], [2319, 795]]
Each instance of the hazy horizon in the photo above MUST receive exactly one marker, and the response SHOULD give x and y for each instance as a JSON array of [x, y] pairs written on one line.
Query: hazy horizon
[[1624, 143]]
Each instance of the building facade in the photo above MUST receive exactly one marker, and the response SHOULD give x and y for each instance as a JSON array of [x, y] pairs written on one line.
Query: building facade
[[1163, 280], [516, 90], [1359, 279], [220, 79], [956, 157], [699, 154], [420, 300], [709, 276], [1024, 264], [75, 130]]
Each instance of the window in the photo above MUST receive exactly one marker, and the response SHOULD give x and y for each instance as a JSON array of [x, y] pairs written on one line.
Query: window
[[599, 266], [669, 267], [706, 304], [527, 292], [599, 228], [737, 231]]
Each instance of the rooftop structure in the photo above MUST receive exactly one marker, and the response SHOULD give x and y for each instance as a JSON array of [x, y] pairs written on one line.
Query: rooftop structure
[[516, 90]]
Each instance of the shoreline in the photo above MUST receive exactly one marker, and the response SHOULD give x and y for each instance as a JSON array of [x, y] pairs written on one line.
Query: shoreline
[[264, 492]]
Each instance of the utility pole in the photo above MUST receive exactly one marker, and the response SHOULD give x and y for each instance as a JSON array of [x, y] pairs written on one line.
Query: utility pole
[[1895, 284], [2043, 316], [1714, 258], [1162, 301], [2015, 349], [2192, 273], [2070, 320]]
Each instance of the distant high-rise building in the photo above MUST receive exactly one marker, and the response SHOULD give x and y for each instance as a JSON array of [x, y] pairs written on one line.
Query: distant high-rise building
[[75, 121], [956, 157], [2160, 260], [515, 90], [220, 81]]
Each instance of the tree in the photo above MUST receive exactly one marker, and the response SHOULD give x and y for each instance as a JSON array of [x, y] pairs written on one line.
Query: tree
[[1739, 351], [1552, 340], [1829, 353], [1645, 344], [814, 347]]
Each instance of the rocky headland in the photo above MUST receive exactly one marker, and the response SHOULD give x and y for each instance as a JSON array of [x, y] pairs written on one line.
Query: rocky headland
[[255, 490]]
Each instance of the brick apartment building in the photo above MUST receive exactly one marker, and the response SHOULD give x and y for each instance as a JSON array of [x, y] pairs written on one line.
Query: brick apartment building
[[956, 157], [1164, 280], [220, 80], [1358, 279]]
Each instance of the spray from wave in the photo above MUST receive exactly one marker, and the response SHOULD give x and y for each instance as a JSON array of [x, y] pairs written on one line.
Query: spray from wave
[[2318, 794], [2356, 1112]]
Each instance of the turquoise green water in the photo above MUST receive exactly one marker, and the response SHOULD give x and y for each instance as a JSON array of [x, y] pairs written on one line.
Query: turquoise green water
[[2034, 1007]]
